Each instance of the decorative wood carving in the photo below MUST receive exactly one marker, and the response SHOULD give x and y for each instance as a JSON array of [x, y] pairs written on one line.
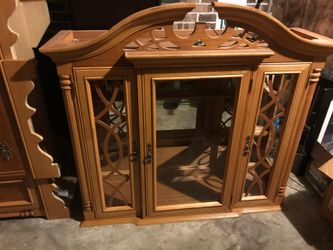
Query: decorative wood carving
[[315, 75], [281, 191], [5, 151], [269, 28], [201, 38], [112, 122], [28, 213], [87, 205], [17, 80], [65, 82], [272, 113], [55, 207], [17, 73], [253, 21]]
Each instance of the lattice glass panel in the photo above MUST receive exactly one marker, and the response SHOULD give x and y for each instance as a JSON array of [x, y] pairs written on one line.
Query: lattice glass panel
[[111, 122], [274, 109]]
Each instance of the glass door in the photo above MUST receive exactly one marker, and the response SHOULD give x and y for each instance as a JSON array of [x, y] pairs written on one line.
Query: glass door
[[268, 137], [192, 117], [108, 138]]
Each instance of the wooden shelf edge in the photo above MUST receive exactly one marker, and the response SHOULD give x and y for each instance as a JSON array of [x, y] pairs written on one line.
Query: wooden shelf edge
[[181, 218], [257, 209], [158, 220], [177, 54]]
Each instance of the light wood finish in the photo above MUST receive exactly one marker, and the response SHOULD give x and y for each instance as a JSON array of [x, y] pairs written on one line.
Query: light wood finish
[[18, 84], [8, 38], [302, 71], [20, 88], [142, 51], [270, 28], [30, 170], [88, 132], [255, 20]]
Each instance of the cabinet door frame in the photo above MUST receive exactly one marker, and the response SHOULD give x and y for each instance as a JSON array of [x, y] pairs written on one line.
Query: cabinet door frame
[[147, 109], [286, 139], [88, 138]]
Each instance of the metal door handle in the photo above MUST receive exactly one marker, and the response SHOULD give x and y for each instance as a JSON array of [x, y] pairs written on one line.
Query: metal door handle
[[134, 156], [247, 146], [149, 155]]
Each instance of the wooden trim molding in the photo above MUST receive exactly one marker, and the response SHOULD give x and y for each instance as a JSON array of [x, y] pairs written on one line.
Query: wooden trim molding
[[65, 82], [281, 191], [275, 33], [65, 46], [315, 75], [67, 86]]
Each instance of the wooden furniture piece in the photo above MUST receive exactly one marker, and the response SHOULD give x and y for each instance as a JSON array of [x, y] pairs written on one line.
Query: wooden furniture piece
[[27, 171], [171, 125], [18, 196]]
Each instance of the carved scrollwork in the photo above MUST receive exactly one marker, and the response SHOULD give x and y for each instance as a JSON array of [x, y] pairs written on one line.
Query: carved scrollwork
[[5, 151], [111, 119], [274, 109], [201, 37]]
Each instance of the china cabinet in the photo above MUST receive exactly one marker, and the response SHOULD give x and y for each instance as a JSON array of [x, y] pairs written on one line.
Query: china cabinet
[[171, 125]]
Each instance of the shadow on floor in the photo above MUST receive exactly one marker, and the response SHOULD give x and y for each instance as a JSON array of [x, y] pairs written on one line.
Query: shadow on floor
[[305, 217]]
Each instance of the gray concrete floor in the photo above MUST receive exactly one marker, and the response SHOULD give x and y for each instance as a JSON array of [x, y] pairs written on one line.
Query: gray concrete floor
[[299, 227]]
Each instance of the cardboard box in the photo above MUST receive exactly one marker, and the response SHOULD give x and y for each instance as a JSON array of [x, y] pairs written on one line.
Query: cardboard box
[[323, 160], [317, 179]]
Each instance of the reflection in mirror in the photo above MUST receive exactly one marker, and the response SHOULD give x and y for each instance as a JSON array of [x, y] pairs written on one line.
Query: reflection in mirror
[[193, 123], [274, 109], [111, 122]]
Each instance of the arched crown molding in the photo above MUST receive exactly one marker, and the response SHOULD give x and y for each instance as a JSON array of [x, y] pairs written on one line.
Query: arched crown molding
[[66, 47]]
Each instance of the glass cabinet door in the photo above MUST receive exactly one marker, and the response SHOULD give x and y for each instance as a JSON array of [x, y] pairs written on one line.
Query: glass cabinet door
[[106, 104], [279, 89], [192, 119], [277, 94]]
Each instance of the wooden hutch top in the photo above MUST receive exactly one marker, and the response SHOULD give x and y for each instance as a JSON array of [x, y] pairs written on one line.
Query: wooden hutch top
[[96, 70], [149, 36]]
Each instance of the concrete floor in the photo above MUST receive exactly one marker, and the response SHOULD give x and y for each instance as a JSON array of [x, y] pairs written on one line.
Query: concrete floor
[[299, 227]]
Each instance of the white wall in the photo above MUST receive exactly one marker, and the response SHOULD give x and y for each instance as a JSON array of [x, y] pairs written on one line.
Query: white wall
[[240, 2]]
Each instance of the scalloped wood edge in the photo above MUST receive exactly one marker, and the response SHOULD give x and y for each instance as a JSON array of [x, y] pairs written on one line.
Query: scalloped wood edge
[[8, 38], [265, 25], [55, 207], [41, 164]]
